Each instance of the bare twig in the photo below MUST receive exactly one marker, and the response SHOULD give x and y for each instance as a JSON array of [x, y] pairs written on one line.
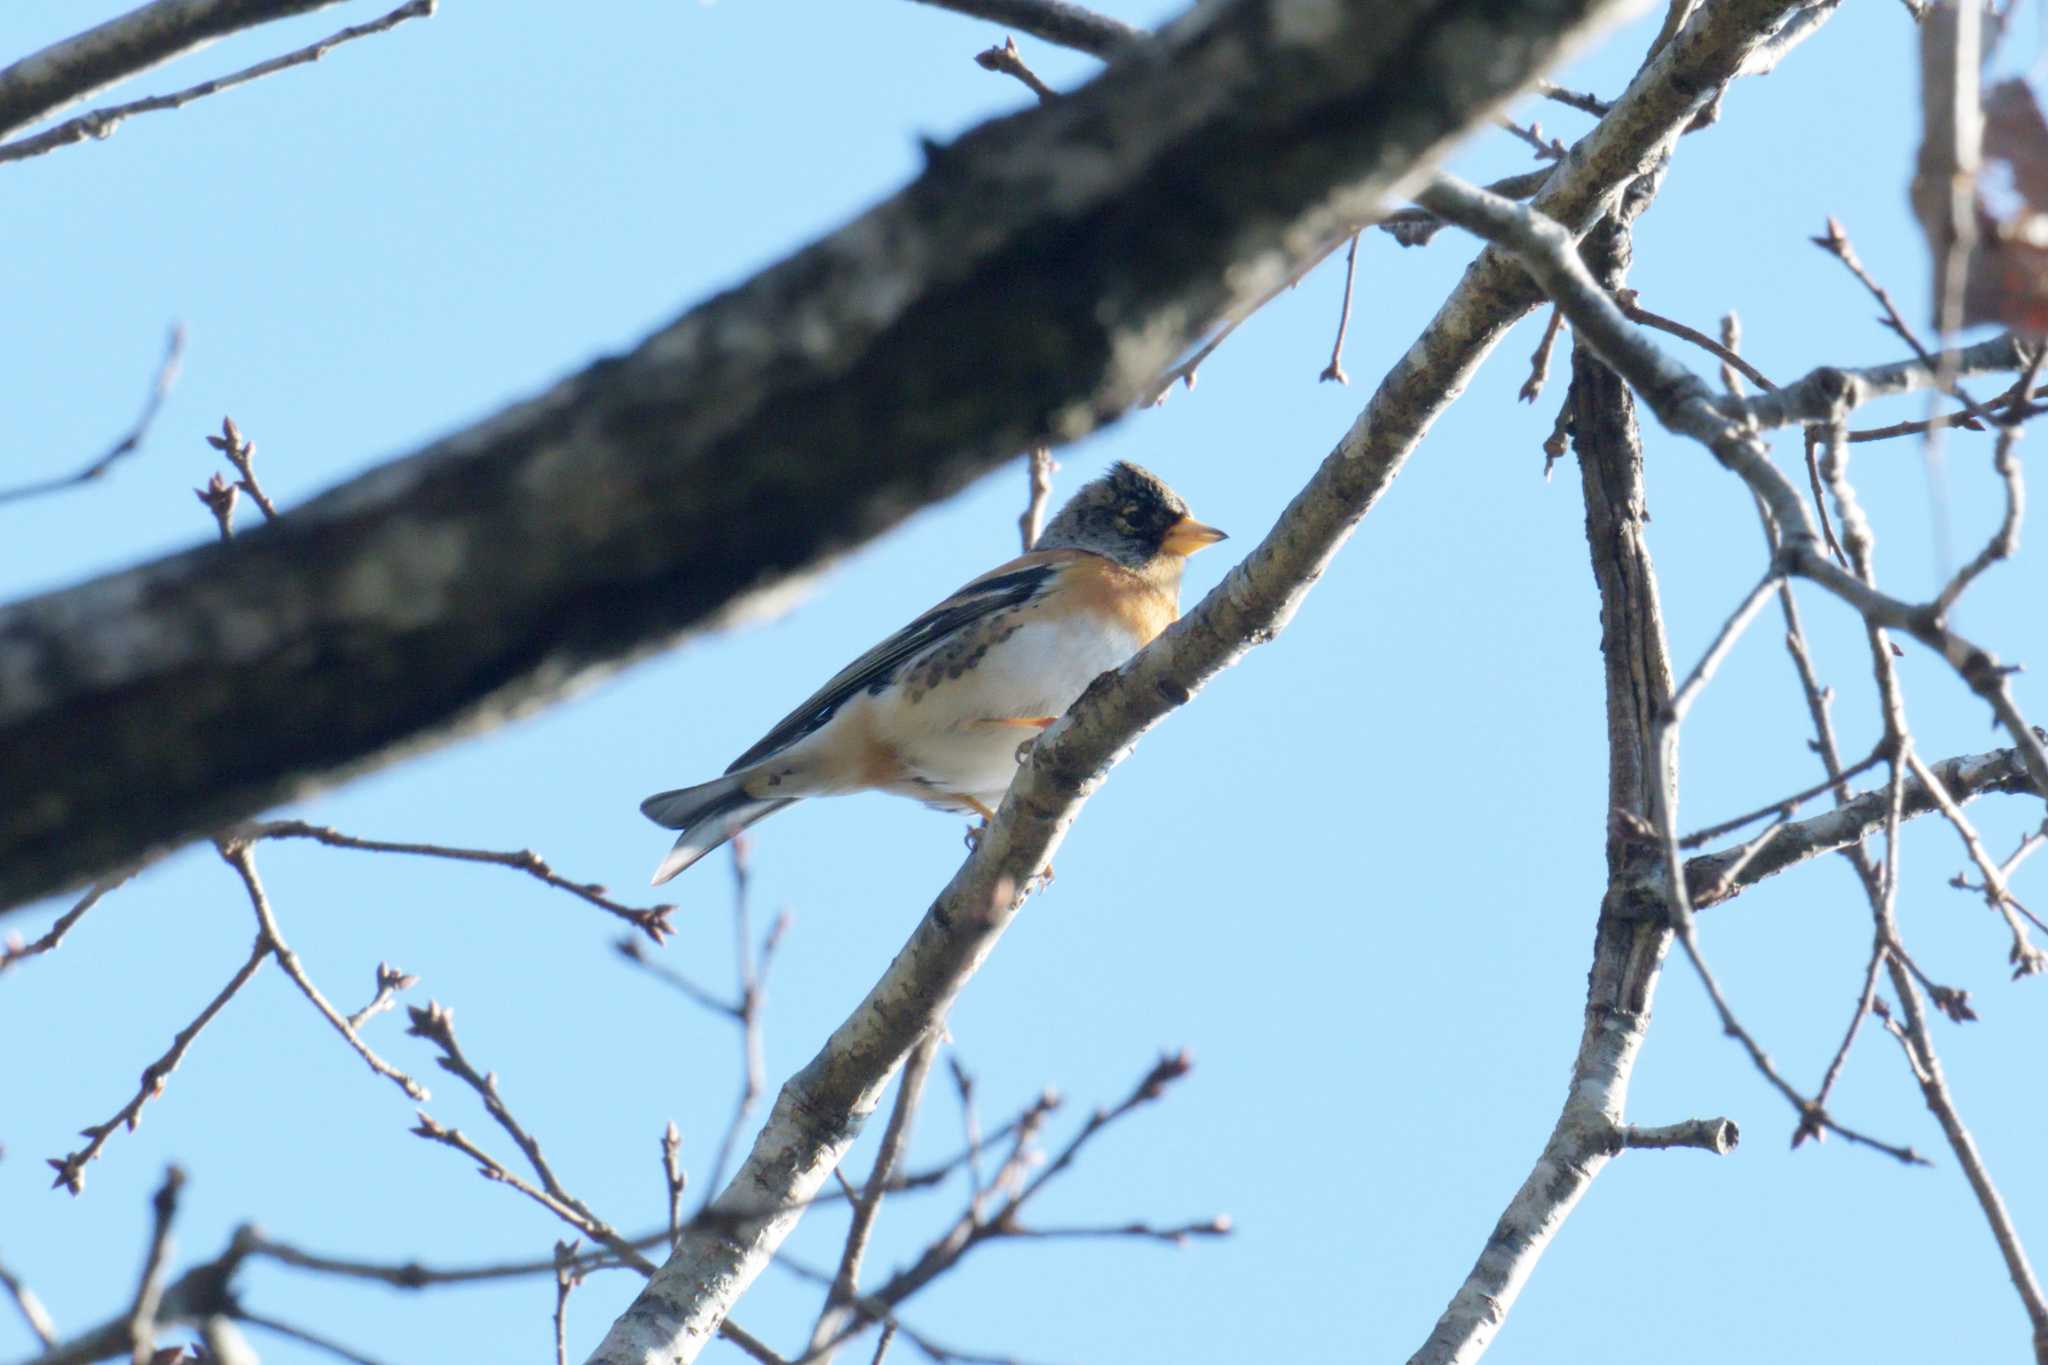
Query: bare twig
[[241, 453], [30, 1307], [1032, 520], [1185, 372], [130, 441], [567, 1276], [2026, 958], [1783, 807], [845, 1286], [1731, 338], [1539, 363], [1836, 243], [436, 1023], [70, 1168], [1054, 21], [652, 921], [974, 1227], [1718, 1136], [752, 974], [1335, 369], [2005, 540], [1628, 301], [970, 1124], [236, 853], [1008, 61], [1584, 103], [101, 123], [1547, 149], [13, 950], [674, 1179], [390, 981], [1732, 428], [149, 1290]]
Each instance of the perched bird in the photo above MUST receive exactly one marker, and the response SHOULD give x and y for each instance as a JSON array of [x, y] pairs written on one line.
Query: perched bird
[[939, 709]]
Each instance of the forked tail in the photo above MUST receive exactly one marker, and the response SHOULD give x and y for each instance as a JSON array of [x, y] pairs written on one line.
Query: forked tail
[[707, 815]]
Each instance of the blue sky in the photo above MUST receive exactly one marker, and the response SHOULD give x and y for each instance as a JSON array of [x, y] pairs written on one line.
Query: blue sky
[[1356, 880]]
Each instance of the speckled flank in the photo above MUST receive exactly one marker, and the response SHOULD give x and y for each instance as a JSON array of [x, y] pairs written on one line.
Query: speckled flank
[[961, 653]]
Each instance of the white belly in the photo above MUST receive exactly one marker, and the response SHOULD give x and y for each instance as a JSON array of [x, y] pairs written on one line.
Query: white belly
[[947, 737]]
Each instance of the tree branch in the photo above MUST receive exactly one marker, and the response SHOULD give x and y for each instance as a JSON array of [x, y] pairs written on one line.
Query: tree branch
[[654, 494], [101, 123], [1714, 877], [820, 1110], [64, 73], [1054, 21]]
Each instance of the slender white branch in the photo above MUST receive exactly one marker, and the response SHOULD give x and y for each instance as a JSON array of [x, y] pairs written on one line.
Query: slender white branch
[[1729, 427], [821, 1108]]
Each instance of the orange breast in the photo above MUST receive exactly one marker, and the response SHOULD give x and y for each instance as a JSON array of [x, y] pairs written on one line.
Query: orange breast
[[1118, 594]]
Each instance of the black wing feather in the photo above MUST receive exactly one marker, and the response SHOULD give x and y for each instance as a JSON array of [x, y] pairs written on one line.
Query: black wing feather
[[875, 669]]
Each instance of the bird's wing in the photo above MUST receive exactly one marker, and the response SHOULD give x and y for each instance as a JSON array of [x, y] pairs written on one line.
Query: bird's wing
[[1010, 585]]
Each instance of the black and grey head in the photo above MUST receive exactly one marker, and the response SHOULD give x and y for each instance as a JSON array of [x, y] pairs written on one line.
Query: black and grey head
[[1129, 515]]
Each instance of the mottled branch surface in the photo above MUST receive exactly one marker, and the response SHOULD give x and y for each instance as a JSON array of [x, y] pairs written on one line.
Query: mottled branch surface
[[1022, 290], [64, 73]]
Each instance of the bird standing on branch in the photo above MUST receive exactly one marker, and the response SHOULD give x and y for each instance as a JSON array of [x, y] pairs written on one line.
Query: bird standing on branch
[[937, 711]]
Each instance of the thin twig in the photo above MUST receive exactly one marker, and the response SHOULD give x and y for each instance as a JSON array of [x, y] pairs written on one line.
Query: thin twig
[[1539, 363], [70, 1168], [845, 1286], [31, 1308], [1058, 22], [149, 1290], [1335, 369], [130, 441], [652, 921], [1032, 521], [1008, 61], [435, 1023], [2026, 958], [674, 1179], [241, 453], [293, 1332], [237, 855], [1584, 103], [2005, 540], [1185, 372], [101, 123], [751, 974], [14, 950], [390, 981], [1726, 353], [1547, 149], [1783, 807], [567, 1277]]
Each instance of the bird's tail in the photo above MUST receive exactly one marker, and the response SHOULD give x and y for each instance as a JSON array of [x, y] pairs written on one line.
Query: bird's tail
[[707, 815]]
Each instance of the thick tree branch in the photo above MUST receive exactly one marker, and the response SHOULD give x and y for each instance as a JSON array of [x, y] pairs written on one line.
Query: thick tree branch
[[64, 73], [698, 477]]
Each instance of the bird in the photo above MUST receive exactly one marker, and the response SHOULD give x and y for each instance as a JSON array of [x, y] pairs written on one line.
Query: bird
[[939, 711]]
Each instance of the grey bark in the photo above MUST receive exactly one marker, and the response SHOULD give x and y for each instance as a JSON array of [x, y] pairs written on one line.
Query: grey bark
[[1025, 289]]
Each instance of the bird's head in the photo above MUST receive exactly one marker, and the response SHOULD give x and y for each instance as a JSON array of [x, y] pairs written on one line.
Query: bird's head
[[1129, 515]]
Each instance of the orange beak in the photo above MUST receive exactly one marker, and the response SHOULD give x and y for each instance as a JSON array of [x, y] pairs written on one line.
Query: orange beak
[[1189, 535]]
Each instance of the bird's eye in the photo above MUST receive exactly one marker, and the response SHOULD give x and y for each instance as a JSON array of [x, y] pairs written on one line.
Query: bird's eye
[[1128, 511]]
